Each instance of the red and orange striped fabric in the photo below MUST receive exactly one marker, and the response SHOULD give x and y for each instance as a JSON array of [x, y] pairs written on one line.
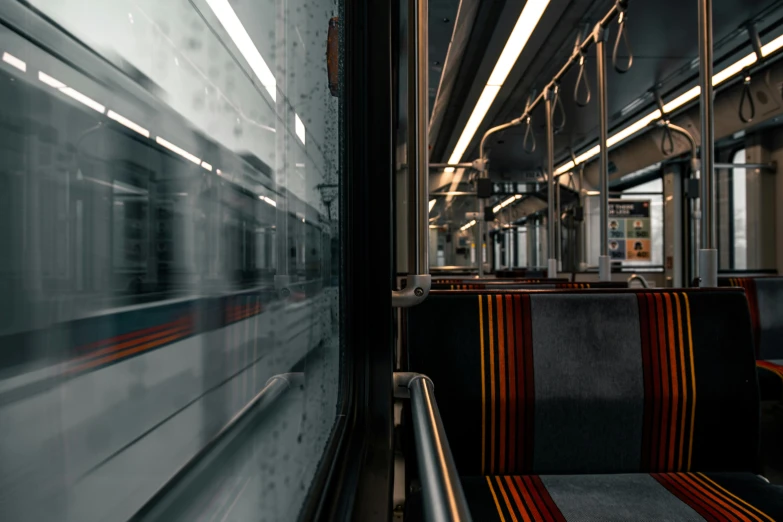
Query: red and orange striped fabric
[[669, 381], [709, 499], [506, 382], [523, 499]]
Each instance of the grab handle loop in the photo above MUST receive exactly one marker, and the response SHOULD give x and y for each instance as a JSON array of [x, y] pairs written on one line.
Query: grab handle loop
[[529, 137], [622, 34], [747, 100], [667, 141], [582, 78], [558, 106]]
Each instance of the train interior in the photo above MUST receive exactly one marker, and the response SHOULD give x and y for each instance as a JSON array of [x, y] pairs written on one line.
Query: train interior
[[423, 260]]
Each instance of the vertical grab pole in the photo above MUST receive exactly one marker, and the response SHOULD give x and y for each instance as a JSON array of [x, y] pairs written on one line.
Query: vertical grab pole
[[708, 254], [479, 236], [604, 261], [418, 282], [550, 172]]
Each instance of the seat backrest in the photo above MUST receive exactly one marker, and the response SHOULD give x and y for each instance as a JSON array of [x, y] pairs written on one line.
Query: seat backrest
[[522, 284], [591, 381], [765, 300]]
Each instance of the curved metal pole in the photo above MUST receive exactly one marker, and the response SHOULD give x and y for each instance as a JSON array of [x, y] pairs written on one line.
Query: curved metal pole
[[708, 254], [418, 282], [444, 499], [604, 261], [641, 279]]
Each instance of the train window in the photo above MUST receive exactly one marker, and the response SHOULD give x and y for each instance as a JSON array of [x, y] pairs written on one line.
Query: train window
[[169, 257], [739, 214]]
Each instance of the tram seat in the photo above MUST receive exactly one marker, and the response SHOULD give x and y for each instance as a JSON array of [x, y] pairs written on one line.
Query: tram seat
[[765, 299], [622, 405]]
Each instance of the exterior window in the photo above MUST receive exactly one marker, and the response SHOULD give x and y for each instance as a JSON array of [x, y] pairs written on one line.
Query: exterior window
[[167, 253]]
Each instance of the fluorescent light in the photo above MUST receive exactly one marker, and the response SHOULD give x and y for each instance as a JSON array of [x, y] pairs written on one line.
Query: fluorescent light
[[300, 128], [300, 165], [206, 166], [633, 128], [587, 155], [182, 152], [432, 203], [526, 22], [125, 121], [81, 98], [14, 62], [268, 200], [682, 99], [564, 168], [233, 26], [733, 69], [479, 111], [593, 193], [468, 225], [772, 46], [51, 82]]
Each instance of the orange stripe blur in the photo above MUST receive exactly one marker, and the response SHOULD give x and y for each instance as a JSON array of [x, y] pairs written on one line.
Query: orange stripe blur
[[508, 503], [131, 351], [693, 377], [492, 387], [529, 502], [665, 392], [754, 511], [175, 325], [502, 397], [684, 370], [494, 496], [731, 511], [675, 382], [483, 390], [512, 384]]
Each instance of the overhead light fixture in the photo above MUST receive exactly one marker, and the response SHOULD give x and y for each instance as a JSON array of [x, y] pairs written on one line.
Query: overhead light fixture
[[506, 203], [689, 95], [178, 150], [432, 203], [83, 99], [233, 26], [526, 23], [299, 128], [468, 225], [206, 166], [51, 82], [14, 62], [126, 122]]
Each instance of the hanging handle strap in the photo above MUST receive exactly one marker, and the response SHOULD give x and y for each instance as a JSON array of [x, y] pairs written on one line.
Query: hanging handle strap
[[667, 140], [557, 106], [747, 115], [622, 34], [530, 137], [582, 79]]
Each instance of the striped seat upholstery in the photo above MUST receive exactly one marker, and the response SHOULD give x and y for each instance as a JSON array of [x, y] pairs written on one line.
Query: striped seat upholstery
[[765, 300], [597, 405]]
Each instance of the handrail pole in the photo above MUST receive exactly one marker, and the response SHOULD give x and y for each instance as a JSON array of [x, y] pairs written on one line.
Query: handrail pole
[[550, 167], [708, 254], [444, 499], [604, 261], [418, 281]]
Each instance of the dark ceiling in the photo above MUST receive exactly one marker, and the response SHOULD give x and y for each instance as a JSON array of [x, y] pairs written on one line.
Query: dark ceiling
[[663, 36]]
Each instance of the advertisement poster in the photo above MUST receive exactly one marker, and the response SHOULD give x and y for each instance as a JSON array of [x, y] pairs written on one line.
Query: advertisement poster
[[629, 230]]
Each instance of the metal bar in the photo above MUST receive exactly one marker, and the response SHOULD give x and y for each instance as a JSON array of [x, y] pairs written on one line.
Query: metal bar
[[451, 165], [444, 499], [708, 255], [453, 193], [160, 501], [578, 51], [604, 261], [418, 282], [550, 169], [761, 166], [479, 238]]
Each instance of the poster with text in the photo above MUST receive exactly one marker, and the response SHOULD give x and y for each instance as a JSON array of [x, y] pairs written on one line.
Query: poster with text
[[629, 230]]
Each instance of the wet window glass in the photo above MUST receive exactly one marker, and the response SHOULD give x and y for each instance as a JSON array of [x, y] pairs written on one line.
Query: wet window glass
[[169, 228]]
